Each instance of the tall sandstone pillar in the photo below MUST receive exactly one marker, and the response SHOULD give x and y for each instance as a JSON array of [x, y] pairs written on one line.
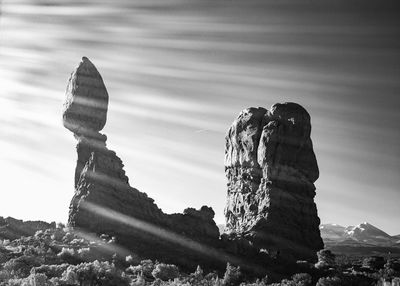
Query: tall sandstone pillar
[[271, 169]]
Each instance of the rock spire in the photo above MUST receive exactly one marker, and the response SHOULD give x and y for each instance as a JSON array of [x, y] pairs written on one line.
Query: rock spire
[[105, 203], [271, 169]]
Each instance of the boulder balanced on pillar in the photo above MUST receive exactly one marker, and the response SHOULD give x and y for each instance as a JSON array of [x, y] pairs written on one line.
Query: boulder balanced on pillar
[[105, 203]]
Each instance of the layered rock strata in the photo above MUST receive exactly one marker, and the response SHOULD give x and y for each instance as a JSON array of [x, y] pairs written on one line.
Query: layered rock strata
[[105, 203], [271, 169]]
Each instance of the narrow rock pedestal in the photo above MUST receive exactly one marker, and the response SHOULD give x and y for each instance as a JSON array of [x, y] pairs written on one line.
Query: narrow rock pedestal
[[271, 169]]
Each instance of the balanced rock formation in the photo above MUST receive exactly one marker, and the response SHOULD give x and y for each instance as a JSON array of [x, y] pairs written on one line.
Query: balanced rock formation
[[105, 203], [85, 107], [271, 169]]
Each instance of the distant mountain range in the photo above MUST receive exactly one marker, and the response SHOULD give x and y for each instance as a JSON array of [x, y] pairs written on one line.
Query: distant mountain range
[[364, 233], [363, 239]]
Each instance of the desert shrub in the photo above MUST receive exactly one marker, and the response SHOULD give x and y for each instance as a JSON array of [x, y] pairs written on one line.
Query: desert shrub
[[77, 242], [374, 262], [232, 275], [297, 280], [13, 282], [31, 280], [58, 234], [159, 282], [84, 253], [65, 251], [38, 251], [95, 273], [346, 280], [139, 281], [4, 254], [197, 275], [36, 279], [145, 268], [390, 270], [52, 270], [199, 278], [5, 275], [326, 259], [258, 282], [345, 261], [396, 281], [68, 277], [165, 272], [21, 266], [68, 255], [302, 279], [69, 236], [284, 282], [60, 225], [86, 272], [113, 277], [329, 281]]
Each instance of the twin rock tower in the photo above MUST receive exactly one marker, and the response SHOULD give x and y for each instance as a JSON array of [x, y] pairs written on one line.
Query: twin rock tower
[[270, 211]]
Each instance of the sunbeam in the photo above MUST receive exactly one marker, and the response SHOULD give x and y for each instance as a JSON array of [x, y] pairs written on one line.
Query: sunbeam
[[175, 69], [167, 235]]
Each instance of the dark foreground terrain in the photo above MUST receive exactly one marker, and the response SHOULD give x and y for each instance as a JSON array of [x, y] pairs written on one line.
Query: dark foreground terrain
[[59, 256]]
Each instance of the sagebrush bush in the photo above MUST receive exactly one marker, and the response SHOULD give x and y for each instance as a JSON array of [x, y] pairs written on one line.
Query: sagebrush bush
[[326, 259], [329, 281], [165, 272], [232, 276], [302, 279]]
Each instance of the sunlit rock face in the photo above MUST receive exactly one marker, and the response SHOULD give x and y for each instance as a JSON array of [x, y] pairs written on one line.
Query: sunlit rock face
[[85, 107], [271, 169], [105, 203]]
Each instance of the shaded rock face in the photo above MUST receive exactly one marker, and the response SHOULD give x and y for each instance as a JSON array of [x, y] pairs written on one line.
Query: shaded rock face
[[271, 169], [105, 203]]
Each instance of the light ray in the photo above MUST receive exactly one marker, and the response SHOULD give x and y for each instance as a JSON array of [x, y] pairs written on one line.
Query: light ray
[[168, 235]]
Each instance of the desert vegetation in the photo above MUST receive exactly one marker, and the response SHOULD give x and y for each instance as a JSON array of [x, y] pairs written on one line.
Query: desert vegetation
[[58, 256]]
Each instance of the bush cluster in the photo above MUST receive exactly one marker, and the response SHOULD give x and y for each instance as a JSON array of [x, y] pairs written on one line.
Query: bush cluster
[[61, 257]]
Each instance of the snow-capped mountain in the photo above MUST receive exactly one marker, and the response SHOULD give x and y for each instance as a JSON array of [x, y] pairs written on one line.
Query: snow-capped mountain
[[332, 231], [364, 233]]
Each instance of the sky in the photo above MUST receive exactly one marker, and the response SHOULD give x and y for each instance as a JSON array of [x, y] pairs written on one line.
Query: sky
[[178, 72]]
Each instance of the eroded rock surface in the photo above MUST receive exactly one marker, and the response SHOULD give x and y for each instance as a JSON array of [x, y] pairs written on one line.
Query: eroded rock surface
[[85, 107], [271, 169], [105, 203]]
